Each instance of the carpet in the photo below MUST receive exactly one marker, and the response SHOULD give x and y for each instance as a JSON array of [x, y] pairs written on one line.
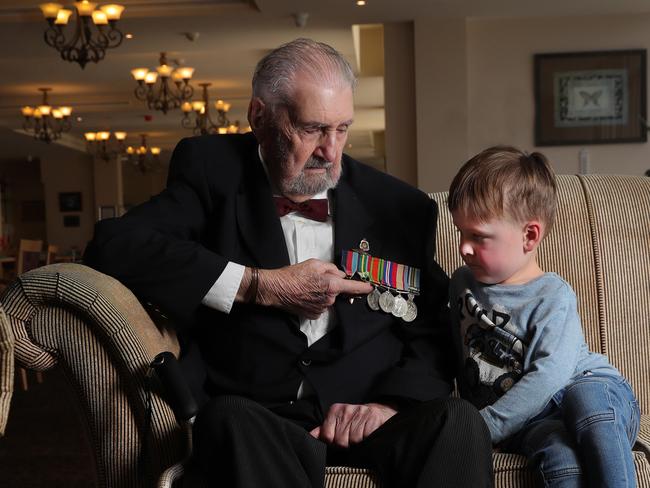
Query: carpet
[[45, 444]]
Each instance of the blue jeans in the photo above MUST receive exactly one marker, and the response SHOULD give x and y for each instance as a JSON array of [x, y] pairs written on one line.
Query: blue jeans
[[584, 435]]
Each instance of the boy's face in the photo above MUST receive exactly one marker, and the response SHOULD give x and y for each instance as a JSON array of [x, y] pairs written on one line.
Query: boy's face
[[498, 251]]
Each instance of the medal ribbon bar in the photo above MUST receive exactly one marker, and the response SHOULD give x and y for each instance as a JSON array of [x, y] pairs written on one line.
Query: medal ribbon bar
[[381, 272]]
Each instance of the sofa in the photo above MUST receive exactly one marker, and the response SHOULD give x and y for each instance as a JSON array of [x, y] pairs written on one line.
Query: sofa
[[88, 324]]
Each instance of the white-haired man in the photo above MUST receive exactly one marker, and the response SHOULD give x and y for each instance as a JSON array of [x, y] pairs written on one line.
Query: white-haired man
[[239, 250]]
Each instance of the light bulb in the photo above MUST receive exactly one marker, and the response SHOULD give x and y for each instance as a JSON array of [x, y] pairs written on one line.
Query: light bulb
[[113, 11]]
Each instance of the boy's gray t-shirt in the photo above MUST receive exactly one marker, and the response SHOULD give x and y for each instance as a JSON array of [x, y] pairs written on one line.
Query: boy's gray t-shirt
[[519, 345]]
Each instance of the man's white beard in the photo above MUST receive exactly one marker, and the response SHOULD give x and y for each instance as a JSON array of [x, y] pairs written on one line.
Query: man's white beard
[[308, 185]]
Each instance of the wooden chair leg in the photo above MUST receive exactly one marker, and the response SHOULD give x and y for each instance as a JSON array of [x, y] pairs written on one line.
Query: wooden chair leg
[[39, 376], [23, 378]]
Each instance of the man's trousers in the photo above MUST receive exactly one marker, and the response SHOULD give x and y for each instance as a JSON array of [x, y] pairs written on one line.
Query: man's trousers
[[441, 443]]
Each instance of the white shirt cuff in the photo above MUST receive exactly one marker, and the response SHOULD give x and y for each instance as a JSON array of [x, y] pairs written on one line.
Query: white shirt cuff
[[222, 294]]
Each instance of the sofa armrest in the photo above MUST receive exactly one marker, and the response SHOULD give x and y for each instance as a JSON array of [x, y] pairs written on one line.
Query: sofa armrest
[[643, 439], [97, 332]]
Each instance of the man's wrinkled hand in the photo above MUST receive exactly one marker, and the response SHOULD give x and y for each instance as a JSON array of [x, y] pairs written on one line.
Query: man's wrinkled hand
[[347, 424], [308, 288]]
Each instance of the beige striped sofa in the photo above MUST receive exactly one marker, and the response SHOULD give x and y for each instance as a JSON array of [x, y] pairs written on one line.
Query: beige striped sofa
[[72, 317]]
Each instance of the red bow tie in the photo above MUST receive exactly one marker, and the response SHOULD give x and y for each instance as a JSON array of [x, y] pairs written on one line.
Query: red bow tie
[[316, 209]]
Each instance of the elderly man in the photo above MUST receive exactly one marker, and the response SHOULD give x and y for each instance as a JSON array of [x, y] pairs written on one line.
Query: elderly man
[[300, 369]]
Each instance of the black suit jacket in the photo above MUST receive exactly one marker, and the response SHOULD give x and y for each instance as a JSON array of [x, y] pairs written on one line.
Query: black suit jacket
[[217, 207]]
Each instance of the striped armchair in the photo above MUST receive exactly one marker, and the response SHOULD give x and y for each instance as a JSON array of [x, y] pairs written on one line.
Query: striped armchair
[[97, 331]]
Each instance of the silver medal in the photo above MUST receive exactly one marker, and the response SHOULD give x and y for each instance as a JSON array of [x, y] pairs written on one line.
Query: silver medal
[[386, 301], [373, 299], [400, 306], [411, 311]]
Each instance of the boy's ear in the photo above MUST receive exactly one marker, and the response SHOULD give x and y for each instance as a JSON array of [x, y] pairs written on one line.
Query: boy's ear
[[533, 233]]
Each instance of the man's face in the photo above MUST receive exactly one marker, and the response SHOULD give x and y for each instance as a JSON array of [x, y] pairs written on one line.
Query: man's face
[[303, 143]]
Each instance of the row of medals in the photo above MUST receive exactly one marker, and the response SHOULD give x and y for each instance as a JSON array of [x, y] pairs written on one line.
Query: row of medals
[[396, 305]]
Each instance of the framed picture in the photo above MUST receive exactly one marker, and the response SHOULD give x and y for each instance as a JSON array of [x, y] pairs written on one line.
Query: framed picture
[[70, 201], [107, 212], [590, 97], [71, 221]]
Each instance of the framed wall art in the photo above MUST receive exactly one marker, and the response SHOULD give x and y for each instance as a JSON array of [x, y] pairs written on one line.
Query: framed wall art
[[590, 97], [71, 221], [70, 201], [106, 212]]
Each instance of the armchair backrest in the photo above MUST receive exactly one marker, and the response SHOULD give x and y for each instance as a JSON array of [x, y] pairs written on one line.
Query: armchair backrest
[[97, 330], [6, 369]]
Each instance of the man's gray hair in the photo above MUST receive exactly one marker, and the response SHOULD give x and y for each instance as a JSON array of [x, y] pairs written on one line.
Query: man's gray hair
[[275, 73]]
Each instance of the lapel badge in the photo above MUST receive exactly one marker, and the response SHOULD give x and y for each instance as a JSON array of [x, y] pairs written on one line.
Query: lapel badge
[[364, 245]]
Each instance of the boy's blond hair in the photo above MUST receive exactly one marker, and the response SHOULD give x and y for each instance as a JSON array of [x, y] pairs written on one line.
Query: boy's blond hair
[[503, 181]]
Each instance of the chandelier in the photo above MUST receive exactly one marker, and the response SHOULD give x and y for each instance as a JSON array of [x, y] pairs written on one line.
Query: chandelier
[[165, 88], [91, 36], [98, 144], [144, 158], [196, 116], [46, 122]]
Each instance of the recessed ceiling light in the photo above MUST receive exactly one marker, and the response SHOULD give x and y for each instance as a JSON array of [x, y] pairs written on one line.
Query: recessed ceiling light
[[129, 36], [361, 3]]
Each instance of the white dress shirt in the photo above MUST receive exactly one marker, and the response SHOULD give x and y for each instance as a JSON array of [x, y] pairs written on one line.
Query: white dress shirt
[[305, 239]]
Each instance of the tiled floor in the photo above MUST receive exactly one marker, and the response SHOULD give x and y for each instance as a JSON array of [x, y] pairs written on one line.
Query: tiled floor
[[45, 444]]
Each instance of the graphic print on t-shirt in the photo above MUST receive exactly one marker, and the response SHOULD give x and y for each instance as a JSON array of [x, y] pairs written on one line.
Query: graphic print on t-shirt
[[493, 354]]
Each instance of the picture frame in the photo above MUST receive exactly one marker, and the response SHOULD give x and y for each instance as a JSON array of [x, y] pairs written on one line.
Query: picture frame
[[71, 221], [70, 201], [594, 97], [106, 212]]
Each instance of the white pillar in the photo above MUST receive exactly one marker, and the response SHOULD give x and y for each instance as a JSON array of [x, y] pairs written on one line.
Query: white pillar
[[399, 96]]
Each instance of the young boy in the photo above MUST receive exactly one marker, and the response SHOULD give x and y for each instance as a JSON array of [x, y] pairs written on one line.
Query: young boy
[[526, 365]]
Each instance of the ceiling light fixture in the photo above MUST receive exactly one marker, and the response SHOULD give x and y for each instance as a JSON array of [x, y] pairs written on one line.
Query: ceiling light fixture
[[91, 35], [196, 116], [98, 144], [46, 122], [143, 157], [164, 95]]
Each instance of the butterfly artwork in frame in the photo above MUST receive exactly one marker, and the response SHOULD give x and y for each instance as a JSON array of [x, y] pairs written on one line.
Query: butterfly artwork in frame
[[590, 97]]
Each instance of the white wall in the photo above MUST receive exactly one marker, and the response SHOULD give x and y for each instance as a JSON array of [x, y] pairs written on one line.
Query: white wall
[[62, 170], [441, 100], [399, 95], [474, 89], [501, 99], [67, 170], [140, 187]]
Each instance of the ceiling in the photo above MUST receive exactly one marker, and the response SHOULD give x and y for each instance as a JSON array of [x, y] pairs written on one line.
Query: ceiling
[[232, 36]]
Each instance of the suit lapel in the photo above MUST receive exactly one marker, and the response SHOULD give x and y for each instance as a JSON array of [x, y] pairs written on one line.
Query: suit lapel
[[256, 217], [353, 222]]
